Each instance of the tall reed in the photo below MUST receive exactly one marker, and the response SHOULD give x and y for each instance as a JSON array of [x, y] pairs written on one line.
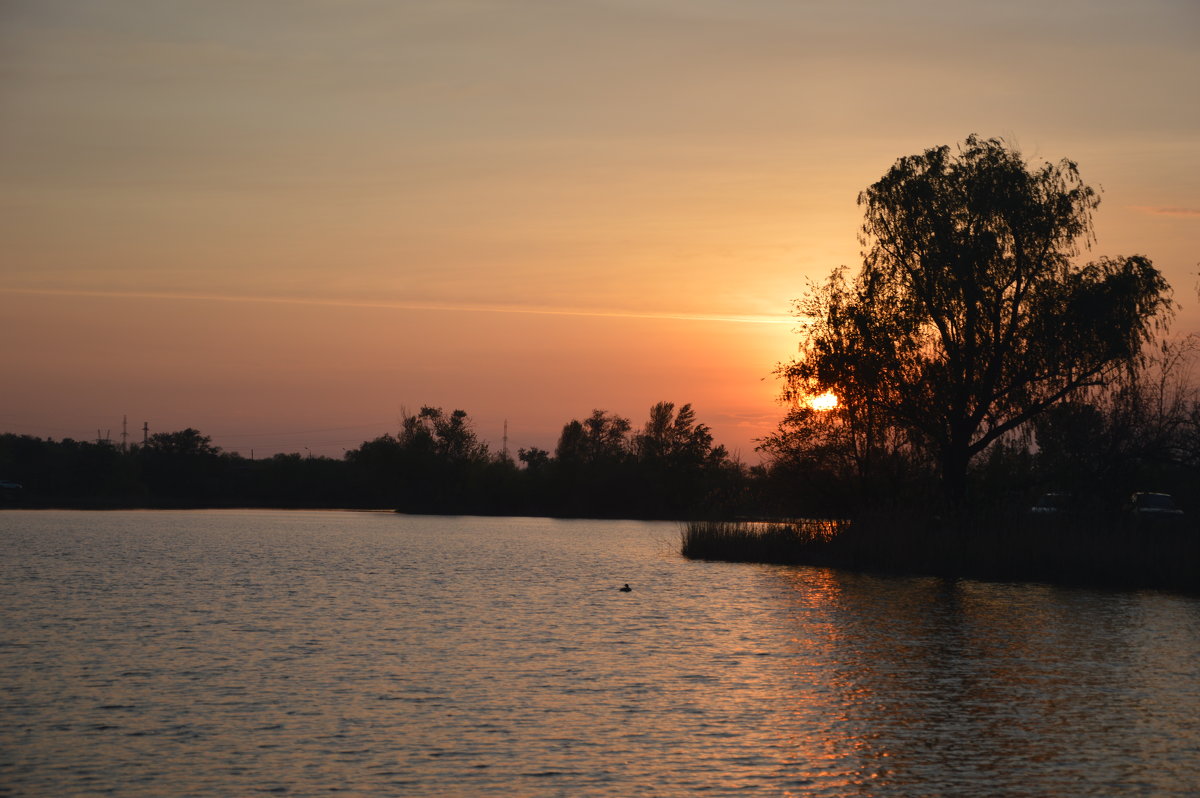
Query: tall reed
[[753, 541]]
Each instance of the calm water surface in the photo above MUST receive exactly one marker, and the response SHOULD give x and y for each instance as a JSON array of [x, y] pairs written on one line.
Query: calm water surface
[[305, 653]]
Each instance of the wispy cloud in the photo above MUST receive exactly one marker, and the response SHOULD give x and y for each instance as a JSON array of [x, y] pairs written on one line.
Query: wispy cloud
[[1157, 210], [449, 307]]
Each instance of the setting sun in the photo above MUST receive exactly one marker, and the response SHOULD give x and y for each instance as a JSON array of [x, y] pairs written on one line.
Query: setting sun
[[826, 401]]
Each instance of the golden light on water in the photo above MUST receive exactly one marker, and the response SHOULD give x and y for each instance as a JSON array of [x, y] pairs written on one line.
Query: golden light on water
[[826, 401]]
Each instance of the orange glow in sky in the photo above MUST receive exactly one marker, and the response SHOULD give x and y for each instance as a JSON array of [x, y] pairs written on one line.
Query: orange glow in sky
[[283, 229]]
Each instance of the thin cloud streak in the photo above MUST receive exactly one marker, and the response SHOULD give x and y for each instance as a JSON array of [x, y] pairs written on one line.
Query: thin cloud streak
[[1159, 211], [417, 306]]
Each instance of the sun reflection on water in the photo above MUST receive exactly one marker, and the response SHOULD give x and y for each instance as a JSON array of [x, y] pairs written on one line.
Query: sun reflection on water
[[915, 682]]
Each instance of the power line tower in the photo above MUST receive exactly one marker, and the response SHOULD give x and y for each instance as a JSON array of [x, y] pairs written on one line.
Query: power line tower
[[124, 434]]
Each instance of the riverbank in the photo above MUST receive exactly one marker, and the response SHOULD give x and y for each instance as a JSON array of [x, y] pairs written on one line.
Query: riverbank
[[1096, 552]]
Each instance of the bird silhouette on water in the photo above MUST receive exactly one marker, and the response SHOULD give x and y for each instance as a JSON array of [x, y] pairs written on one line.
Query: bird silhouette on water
[[626, 589]]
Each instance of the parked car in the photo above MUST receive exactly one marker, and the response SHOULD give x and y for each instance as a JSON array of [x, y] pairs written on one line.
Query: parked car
[[1154, 504], [10, 491], [1154, 509]]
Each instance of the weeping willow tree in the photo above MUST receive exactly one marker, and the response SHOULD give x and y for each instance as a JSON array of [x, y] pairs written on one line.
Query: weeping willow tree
[[970, 315]]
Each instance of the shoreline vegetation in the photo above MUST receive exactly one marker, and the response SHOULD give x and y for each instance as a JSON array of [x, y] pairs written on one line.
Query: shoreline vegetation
[[1094, 541], [1107, 552]]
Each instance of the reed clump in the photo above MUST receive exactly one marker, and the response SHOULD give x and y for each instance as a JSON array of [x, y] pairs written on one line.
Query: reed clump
[[1094, 550], [755, 541]]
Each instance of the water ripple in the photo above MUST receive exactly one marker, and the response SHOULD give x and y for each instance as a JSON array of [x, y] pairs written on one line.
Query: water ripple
[[225, 653]]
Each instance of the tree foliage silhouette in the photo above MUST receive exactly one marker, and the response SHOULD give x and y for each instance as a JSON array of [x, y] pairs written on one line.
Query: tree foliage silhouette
[[598, 439], [183, 466], [445, 437], [969, 316], [676, 437], [184, 443]]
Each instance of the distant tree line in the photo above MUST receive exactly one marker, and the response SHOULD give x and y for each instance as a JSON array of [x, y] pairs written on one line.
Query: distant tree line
[[1139, 432], [602, 467]]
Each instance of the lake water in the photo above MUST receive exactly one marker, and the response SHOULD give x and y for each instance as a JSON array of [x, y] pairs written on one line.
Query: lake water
[[306, 653]]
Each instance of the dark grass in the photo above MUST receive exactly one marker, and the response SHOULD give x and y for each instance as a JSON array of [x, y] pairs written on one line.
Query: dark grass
[[1092, 551]]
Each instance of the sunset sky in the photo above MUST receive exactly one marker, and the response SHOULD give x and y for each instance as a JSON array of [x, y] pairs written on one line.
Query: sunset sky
[[282, 223]]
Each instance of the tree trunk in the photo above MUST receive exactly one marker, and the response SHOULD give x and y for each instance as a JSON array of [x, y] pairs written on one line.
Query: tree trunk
[[955, 461]]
